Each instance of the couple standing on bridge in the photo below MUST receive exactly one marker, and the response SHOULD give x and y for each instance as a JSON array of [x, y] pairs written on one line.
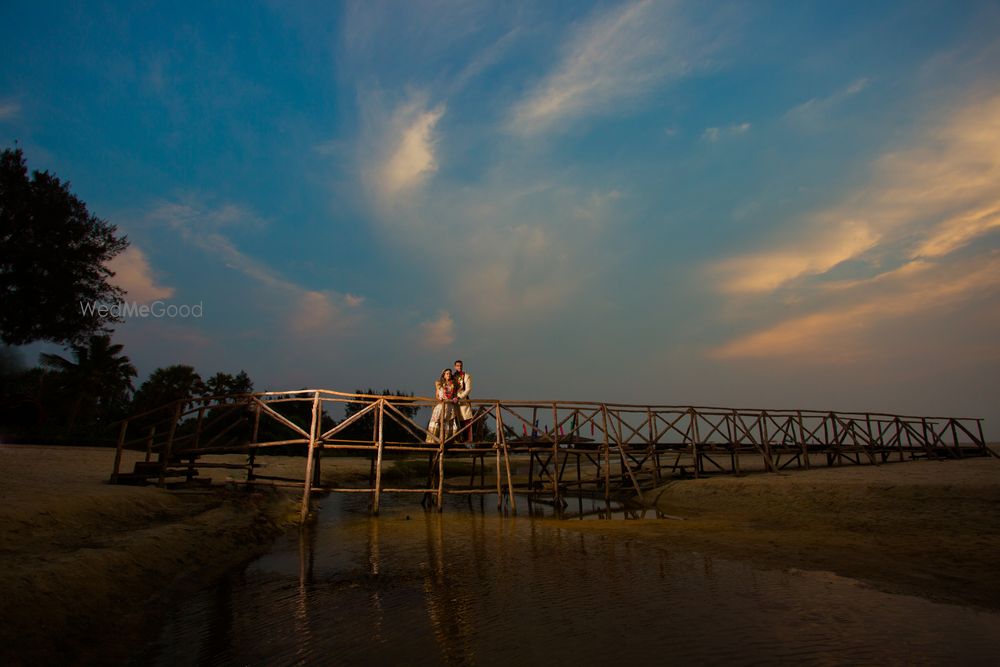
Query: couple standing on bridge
[[453, 413]]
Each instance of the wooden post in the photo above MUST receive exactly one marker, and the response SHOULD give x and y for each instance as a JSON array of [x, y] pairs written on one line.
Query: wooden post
[[252, 454], [802, 439], [506, 460], [954, 438], [531, 469], [197, 428], [168, 448], [118, 451], [651, 449], [982, 440], [579, 473], [318, 459], [149, 442], [731, 422], [826, 441], [496, 447], [902, 429], [440, 481], [440, 489], [693, 433], [928, 445], [313, 432], [871, 438], [765, 440], [607, 453], [256, 423], [555, 455], [197, 442], [378, 456]]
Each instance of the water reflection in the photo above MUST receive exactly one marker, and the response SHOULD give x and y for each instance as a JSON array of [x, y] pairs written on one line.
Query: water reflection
[[474, 587], [584, 507], [447, 600]]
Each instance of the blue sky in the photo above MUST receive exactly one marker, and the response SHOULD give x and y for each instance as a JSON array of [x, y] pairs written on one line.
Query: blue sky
[[748, 204]]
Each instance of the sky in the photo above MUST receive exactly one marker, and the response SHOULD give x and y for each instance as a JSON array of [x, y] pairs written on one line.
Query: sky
[[768, 204]]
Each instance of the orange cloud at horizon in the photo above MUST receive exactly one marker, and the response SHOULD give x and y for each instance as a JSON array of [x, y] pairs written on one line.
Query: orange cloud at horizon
[[935, 205]]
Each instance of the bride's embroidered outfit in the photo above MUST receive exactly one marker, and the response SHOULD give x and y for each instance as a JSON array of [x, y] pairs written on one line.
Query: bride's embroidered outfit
[[442, 424]]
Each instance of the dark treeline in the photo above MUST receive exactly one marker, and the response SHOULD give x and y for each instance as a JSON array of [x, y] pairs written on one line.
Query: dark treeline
[[81, 398]]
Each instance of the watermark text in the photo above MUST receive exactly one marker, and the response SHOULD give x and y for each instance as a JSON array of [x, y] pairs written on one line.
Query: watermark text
[[132, 309]]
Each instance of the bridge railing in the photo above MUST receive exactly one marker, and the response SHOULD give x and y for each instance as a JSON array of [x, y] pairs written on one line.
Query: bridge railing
[[629, 445]]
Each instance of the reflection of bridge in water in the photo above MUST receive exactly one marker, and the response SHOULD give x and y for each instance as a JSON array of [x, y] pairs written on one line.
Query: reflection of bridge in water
[[540, 448]]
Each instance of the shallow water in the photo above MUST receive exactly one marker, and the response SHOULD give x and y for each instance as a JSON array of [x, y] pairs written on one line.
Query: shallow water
[[470, 586]]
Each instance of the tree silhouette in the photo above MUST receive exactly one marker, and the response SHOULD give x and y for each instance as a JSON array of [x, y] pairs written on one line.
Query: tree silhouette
[[52, 258], [223, 383], [97, 382], [166, 385]]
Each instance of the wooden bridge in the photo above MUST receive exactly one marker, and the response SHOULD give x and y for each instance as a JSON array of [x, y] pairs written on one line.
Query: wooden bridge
[[552, 448]]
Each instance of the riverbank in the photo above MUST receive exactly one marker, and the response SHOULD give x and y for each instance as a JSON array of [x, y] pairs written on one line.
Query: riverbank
[[925, 528], [86, 567]]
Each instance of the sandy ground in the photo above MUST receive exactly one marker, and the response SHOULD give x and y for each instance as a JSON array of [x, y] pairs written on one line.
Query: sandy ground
[[87, 567], [82, 561], [927, 528]]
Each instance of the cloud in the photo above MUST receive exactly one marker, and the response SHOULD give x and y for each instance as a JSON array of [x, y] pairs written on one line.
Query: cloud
[[398, 152], [312, 310], [200, 225], [817, 109], [838, 333], [920, 235], [823, 248], [713, 134], [412, 159], [616, 57], [439, 332], [9, 109], [518, 258], [189, 212], [486, 58], [134, 275], [954, 233]]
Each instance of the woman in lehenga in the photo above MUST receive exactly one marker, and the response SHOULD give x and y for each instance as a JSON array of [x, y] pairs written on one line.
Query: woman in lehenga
[[442, 424]]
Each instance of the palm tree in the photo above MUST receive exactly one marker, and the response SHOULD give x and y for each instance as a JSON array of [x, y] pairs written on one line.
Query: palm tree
[[166, 385], [99, 380]]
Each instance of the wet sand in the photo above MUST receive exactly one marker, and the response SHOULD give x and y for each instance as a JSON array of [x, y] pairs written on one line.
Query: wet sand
[[926, 528], [86, 567]]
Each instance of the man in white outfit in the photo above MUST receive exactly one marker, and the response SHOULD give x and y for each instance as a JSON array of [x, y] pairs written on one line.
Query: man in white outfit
[[464, 382]]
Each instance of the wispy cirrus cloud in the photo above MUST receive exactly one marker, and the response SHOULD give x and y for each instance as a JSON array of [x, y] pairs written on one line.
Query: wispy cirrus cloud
[[919, 236], [311, 310], [713, 134], [618, 56], [817, 109], [827, 242]]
